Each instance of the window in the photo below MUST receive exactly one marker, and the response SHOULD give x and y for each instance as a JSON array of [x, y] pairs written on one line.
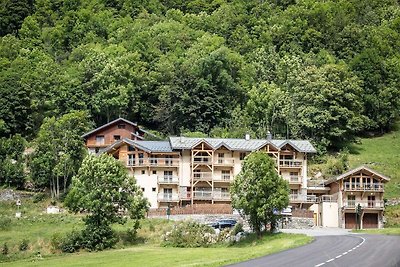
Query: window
[[100, 139], [168, 160], [143, 189], [140, 158], [143, 172], [226, 175], [242, 155], [167, 193], [96, 150], [154, 172], [371, 201], [117, 137], [131, 160], [131, 148], [121, 126], [153, 160], [153, 189], [351, 201], [221, 158]]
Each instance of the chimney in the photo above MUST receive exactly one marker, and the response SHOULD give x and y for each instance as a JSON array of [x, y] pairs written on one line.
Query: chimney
[[247, 137], [269, 135]]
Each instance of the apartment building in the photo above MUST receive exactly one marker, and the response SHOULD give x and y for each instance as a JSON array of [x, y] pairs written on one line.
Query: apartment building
[[184, 170]]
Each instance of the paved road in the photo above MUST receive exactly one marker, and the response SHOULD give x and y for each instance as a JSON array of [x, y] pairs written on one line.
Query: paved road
[[337, 250]]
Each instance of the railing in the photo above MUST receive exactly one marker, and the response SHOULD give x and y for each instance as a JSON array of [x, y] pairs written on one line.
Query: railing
[[167, 179], [223, 178], [202, 195], [316, 183], [295, 179], [366, 204], [154, 162], [222, 195], [202, 159], [303, 198], [168, 197], [185, 195], [364, 187], [292, 163], [224, 161], [202, 176], [328, 198]]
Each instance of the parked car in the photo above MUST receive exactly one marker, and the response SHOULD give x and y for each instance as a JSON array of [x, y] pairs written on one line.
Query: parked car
[[226, 223]]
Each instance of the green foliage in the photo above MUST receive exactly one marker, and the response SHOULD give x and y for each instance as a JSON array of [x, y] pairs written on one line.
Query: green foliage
[[24, 245], [103, 188], [5, 223], [39, 197], [337, 165], [4, 249], [258, 190], [238, 228], [11, 161], [189, 234], [59, 151]]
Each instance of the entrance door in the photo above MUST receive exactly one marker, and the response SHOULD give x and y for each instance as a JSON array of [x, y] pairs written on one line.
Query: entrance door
[[370, 220], [350, 220]]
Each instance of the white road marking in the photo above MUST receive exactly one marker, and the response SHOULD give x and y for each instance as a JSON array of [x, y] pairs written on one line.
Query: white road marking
[[344, 253]]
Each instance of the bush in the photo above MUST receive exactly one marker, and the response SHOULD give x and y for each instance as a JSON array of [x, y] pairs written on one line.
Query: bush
[[39, 197], [71, 243], [23, 246], [98, 237], [4, 249], [5, 223], [189, 234], [238, 228]]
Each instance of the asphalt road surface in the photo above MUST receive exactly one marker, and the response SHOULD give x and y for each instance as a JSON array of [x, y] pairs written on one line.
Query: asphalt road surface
[[340, 250]]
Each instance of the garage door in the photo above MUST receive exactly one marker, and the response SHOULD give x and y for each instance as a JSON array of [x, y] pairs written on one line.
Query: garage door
[[350, 220], [370, 220]]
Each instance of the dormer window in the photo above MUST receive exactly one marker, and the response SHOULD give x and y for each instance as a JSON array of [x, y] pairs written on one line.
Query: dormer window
[[117, 137], [121, 126]]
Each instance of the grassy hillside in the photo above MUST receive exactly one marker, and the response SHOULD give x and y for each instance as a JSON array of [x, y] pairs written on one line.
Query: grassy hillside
[[382, 154]]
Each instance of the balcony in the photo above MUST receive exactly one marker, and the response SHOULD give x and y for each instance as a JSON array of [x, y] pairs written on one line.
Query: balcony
[[297, 198], [202, 160], [224, 162], [365, 204], [294, 179], [375, 187], [153, 162], [167, 197], [222, 196], [328, 198], [167, 179], [202, 195], [290, 163], [202, 176], [223, 178]]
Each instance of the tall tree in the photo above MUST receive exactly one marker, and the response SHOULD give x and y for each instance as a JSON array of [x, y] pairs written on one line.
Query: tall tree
[[103, 188], [258, 191]]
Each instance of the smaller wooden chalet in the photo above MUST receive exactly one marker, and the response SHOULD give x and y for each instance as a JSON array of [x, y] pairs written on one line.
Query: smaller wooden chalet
[[111, 132]]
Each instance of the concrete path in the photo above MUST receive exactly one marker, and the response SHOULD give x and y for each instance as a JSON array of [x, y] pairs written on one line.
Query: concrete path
[[318, 231]]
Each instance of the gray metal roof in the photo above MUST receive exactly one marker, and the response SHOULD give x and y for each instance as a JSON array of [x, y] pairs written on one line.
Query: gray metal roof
[[148, 146], [240, 144]]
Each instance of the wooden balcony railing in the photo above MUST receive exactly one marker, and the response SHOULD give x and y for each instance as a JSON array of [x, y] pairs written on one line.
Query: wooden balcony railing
[[378, 187], [291, 163], [202, 176], [224, 161], [295, 179], [153, 162], [202, 160], [365, 204], [221, 195], [167, 179], [205, 195], [167, 197], [223, 178], [303, 198]]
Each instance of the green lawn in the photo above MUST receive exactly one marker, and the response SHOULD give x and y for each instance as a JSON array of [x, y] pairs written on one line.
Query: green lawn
[[382, 154], [386, 231], [153, 255]]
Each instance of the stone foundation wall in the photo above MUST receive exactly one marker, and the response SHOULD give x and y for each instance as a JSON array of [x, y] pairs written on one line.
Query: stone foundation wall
[[297, 223]]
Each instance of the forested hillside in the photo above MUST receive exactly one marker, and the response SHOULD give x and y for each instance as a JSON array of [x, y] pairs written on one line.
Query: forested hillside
[[321, 70]]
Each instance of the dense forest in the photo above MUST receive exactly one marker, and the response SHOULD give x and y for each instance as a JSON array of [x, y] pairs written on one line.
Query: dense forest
[[328, 71]]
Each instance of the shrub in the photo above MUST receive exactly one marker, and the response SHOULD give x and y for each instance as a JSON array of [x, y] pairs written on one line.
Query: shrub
[[4, 249], [237, 229], [189, 234], [71, 243], [5, 223], [39, 197], [56, 240], [24, 245], [98, 237]]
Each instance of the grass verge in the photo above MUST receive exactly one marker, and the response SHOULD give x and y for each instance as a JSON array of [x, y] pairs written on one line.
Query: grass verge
[[386, 231], [153, 255]]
